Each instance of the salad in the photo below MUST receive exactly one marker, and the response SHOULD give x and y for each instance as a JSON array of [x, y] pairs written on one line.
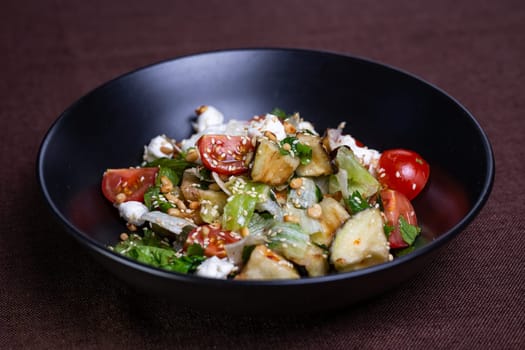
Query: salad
[[268, 198]]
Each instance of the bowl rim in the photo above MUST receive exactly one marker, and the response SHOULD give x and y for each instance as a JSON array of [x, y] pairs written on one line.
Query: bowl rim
[[433, 245]]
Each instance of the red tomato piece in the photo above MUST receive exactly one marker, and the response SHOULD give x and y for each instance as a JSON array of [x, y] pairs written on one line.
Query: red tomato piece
[[225, 154], [396, 204], [212, 239], [129, 184], [404, 171]]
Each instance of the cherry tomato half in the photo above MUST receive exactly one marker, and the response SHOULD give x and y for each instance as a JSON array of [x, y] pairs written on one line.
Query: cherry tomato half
[[132, 182], [212, 239], [396, 204], [223, 154], [404, 171]]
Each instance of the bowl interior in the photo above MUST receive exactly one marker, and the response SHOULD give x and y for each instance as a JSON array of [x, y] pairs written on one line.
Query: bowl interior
[[383, 107]]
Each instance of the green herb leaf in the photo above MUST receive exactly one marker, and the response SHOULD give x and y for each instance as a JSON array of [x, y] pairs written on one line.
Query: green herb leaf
[[356, 202], [154, 199], [418, 243], [178, 165], [297, 149], [408, 232], [195, 249], [169, 173], [388, 229], [154, 251], [279, 113]]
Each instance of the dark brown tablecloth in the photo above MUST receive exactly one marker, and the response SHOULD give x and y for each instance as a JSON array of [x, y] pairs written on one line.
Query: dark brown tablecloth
[[53, 295]]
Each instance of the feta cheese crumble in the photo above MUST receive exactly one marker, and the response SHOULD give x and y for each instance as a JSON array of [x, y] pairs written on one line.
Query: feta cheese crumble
[[270, 123], [154, 149], [215, 268], [132, 211]]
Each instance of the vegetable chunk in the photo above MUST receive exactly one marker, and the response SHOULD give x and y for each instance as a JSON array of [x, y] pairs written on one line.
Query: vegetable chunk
[[266, 264], [270, 166], [360, 242]]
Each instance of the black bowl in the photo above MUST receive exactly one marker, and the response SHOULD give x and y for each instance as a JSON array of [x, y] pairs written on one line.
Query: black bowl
[[383, 107]]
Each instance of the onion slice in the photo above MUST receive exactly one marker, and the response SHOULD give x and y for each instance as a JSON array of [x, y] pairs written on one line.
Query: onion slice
[[171, 223], [234, 250], [220, 183]]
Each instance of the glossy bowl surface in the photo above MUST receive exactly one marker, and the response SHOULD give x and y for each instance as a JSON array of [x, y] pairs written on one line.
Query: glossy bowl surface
[[382, 106]]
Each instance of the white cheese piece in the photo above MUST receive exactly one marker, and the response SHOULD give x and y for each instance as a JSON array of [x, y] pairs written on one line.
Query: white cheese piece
[[154, 149], [367, 156], [270, 123], [215, 268], [132, 211], [302, 126], [209, 118], [211, 121]]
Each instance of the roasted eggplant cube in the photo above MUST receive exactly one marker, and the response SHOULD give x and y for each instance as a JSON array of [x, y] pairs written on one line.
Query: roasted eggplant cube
[[320, 164], [270, 166], [360, 242], [265, 264], [333, 216]]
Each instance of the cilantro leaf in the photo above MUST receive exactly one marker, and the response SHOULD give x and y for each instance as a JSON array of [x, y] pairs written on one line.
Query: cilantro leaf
[[408, 232], [356, 202], [296, 149]]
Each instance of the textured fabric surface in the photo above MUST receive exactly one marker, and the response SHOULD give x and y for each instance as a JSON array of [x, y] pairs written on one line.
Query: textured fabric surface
[[53, 295]]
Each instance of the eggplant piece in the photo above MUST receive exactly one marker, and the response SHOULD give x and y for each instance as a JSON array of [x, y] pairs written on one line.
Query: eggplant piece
[[320, 164], [212, 202], [360, 242], [264, 264], [333, 216], [270, 166]]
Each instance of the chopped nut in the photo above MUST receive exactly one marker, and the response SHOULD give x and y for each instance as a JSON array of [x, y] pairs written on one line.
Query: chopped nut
[[174, 212], [131, 227], [270, 135], [180, 204], [245, 231], [194, 205], [124, 236], [201, 110], [166, 150], [315, 211], [296, 182], [192, 155], [287, 147], [120, 198], [291, 218], [171, 197], [166, 184], [289, 128]]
